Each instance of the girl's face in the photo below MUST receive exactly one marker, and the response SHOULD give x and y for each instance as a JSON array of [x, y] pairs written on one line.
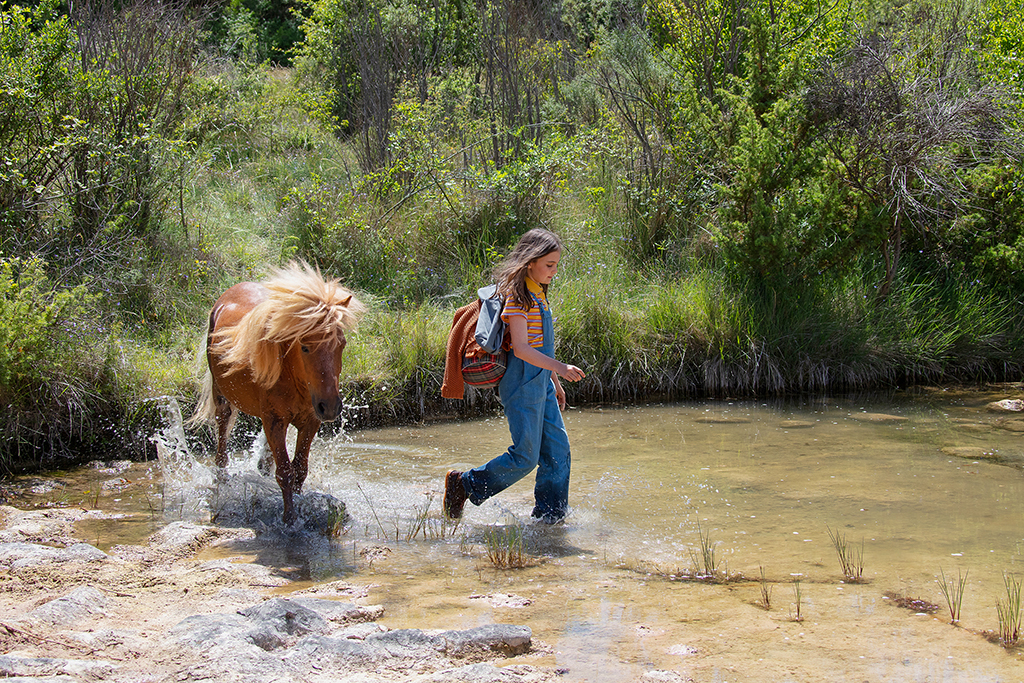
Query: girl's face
[[542, 270]]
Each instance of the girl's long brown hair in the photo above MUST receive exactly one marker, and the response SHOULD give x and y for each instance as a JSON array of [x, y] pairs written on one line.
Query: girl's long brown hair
[[510, 274]]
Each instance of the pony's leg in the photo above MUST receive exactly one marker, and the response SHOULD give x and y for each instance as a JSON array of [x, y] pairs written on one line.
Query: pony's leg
[[300, 463], [275, 428], [224, 414]]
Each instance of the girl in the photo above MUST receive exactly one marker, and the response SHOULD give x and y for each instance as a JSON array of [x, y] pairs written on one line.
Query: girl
[[530, 390]]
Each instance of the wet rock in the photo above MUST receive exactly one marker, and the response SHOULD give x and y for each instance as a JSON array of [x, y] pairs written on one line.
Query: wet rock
[[974, 427], [501, 638], [118, 484], [50, 527], [113, 467], [50, 668], [81, 603], [796, 424], [969, 453], [1011, 425], [493, 639], [341, 612], [503, 600], [182, 538], [1009, 405], [251, 500], [880, 418], [281, 638], [43, 486], [20, 555]]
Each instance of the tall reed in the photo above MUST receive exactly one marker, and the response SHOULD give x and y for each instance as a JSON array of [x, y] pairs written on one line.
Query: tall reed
[[766, 590], [705, 563], [851, 559], [953, 592], [1009, 612]]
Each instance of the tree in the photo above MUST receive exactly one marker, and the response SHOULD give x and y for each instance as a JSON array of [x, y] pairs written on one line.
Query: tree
[[905, 118]]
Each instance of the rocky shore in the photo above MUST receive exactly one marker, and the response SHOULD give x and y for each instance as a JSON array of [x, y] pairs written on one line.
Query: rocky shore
[[154, 612]]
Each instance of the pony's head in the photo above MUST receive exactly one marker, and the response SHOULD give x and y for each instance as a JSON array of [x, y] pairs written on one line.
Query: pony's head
[[302, 323]]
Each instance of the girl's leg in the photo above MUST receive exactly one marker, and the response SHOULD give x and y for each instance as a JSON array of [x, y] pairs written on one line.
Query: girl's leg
[[552, 489], [526, 425]]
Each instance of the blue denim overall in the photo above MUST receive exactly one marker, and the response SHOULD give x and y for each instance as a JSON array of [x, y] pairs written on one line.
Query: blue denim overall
[[539, 438]]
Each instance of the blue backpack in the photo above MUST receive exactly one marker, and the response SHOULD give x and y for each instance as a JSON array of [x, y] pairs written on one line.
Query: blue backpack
[[483, 370], [490, 330]]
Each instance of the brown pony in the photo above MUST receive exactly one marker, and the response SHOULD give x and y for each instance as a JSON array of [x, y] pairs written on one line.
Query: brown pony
[[274, 351]]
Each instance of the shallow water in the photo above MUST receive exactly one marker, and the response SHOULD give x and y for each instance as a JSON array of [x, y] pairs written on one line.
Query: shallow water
[[605, 593]]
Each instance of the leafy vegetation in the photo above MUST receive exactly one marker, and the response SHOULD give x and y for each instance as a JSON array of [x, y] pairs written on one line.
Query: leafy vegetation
[[756, 198]]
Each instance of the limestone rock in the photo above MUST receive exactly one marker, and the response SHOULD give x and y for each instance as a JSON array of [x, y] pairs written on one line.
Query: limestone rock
[[81, 603], [1008, 405]]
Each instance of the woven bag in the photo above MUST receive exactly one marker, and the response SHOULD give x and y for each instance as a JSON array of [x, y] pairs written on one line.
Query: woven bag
[[484, 370]]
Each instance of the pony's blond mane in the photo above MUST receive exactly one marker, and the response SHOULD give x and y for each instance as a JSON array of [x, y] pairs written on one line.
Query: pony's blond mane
[[301, 305]]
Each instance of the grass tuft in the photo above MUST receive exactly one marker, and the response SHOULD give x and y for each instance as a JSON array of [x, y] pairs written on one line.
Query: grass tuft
[[850, 558], [953, 592], [1009, 612], [505, 544]]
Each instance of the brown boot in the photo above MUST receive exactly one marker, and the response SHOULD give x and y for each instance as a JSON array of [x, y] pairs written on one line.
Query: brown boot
[[455, 495]]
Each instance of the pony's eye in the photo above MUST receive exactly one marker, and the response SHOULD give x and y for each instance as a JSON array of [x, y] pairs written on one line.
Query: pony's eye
[[305, 349]]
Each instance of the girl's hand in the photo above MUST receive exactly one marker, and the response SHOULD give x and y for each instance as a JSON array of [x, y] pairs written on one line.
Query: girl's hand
[[560, 395], [573, 373]]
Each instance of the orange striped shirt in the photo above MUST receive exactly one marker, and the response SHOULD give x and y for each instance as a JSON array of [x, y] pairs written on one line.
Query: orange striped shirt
[[534, 326]]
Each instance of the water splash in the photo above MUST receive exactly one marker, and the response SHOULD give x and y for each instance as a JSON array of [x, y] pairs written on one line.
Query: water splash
[[188, 483]]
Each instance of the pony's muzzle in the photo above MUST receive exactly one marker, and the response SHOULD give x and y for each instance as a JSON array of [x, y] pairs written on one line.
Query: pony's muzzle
[[328, 409]]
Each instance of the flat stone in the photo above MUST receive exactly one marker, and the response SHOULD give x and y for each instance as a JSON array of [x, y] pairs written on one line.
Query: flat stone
[[19, 555], [13, 667], [1011, 425], [81, 603], [880, 418], [969, 453]]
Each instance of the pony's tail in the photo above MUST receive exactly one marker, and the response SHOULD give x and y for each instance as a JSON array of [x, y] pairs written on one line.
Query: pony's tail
[[206, 408]]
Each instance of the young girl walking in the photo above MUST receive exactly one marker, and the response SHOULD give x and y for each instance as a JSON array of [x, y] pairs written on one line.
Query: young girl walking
[[530, 390]]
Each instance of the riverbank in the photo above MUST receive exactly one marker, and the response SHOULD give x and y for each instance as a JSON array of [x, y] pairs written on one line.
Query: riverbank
[[160, 612]]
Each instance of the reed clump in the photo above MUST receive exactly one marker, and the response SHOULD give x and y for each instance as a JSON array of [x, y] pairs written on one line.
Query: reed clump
[[706, 563], [1009, 612], [953, 593], [798, 602], [766, 591], [850, 558], [506, 544]]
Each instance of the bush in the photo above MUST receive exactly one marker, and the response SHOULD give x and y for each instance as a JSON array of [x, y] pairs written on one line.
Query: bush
[[52, 361]]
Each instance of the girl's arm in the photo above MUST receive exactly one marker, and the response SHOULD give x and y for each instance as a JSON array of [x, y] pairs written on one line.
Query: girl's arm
[[528, 354]]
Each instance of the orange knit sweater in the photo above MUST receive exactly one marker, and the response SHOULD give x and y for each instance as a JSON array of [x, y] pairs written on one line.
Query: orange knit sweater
[[461, 335]]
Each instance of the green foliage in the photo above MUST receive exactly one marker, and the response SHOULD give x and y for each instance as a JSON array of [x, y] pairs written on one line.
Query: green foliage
[[989, 241], [55, 371], [701, 160]]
